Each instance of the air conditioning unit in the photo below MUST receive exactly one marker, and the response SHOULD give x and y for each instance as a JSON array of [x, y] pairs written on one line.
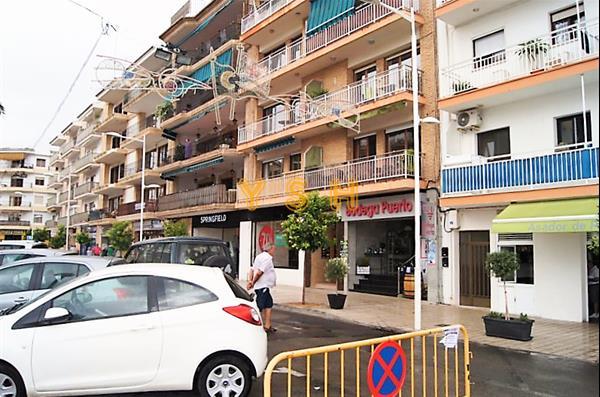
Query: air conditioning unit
[[469, 120]]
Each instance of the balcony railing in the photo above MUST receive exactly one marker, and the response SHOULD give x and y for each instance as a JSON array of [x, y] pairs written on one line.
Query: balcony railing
[[134, 208], [15, 204], [81, 217], [51, 201], [85, 160], [217, 194], [67, 146], [362, 171], [63, 174], [345, 27], [100, 214], [351, 97], [529, 171], [64, 196], [88, 131], [4, 222], [133, 168], [51, 223], [558, 48], [86, 188], [261, 13]]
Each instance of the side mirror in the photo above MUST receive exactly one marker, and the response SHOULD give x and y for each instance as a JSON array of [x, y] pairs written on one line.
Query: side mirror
[[57, 314]]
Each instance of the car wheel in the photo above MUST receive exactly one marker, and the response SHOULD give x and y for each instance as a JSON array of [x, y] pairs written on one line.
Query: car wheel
[[11, 384], [224, 376]]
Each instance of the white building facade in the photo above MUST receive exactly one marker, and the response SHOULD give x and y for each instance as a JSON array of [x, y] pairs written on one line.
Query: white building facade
[[519, 107]]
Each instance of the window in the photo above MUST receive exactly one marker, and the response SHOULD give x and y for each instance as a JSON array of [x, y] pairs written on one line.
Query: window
[[276, 117], [37, 218], [16, 201], [113, 203], [399, 76], [117, 173], [39, 181], [151, 159], [40, 163], [489, 49], [365, 147], [570, 130], [6, 259], [525, 254], [15, 279], [163, 153], [295, 161], [272, 169], [283, 258], [399, 140], [495, 143], [197, 254], [367, 77], [176, 293], [57, 273], [16, 182], [155, 192], [119, 296], [562, 20], [237, 290]]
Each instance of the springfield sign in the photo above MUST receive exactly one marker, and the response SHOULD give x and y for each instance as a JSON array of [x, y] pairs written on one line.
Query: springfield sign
[[379, 208]]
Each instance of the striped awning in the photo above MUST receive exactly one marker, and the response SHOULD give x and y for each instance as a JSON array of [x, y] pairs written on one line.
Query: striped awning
[[192, 168], [324, 13], [275, 145], [205, 72], [204, 24]]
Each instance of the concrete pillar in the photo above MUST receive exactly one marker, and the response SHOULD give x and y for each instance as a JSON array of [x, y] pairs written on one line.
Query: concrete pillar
[[245, 249]]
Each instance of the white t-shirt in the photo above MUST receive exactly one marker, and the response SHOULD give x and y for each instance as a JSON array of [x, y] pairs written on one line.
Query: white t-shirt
[[264, 263]]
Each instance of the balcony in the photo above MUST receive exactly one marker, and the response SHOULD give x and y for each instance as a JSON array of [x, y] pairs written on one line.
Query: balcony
[[55, 160], [307, 45], [116, 122], [88, 136], [85, 190], [513, 70], [523, 172], [99, 215], [459, 12], [261, 13], [64, 196], [345, 102], [16, 206], [79, 218], [51, 223], [66, 173], [217, 194], [51, 201], [14, 223], [87, 161], [362, 172], [111, 156], [134, 208], [69, 148]]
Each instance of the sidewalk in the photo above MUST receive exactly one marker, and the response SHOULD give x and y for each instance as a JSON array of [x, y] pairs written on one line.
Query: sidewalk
[[560, 338]]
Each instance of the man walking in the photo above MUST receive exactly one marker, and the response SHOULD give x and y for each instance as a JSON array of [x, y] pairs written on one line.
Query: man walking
[[262, 279]]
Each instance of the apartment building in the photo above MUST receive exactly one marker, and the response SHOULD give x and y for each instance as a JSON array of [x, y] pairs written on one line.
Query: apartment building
[[339, 112], [25, 192], [518, 87]]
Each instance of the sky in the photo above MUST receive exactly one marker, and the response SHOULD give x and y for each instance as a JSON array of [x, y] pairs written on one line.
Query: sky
[[45, 43]]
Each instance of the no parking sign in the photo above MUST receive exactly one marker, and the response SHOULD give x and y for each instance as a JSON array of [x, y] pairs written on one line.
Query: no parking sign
[[387, 370]]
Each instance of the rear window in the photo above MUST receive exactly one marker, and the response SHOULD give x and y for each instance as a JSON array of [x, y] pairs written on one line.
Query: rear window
[[237, 290], [197, 253], [10, 258], [39, 245], [11, 247]]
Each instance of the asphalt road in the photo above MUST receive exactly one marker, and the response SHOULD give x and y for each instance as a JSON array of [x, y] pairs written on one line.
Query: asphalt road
[[494, 371]]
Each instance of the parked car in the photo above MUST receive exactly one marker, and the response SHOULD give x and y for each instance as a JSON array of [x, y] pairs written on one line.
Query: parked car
[[21, 244], [23, 280], [10, 256], [183, 250], [135, 328]]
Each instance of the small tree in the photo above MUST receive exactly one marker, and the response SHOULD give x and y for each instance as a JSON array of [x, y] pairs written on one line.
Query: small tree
[[337, 268], [120, 236], [503, 264], [83, 238], [175, 228], [42, 234], [60, 239]]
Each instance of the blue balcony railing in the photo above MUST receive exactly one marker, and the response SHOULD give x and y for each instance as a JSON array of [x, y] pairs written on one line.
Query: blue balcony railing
[[532, 172]]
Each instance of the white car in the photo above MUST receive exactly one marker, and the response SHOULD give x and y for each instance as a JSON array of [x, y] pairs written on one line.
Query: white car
[[134, 328]]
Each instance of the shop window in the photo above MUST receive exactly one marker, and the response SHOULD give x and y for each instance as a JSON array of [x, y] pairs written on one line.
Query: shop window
[[489, 49], [562, 20], [570, 130], [40, 163], [365, 147], [525, 254], [295, 161], [39, 181], [272, 169], [271, 232], [494, 144], [400, 140]]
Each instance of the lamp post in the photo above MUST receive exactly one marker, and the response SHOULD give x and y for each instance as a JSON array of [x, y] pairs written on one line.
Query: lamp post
[[417, 155], [67, 246]]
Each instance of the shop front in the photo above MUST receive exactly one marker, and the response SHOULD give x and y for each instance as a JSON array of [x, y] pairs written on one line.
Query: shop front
[[223, 226]]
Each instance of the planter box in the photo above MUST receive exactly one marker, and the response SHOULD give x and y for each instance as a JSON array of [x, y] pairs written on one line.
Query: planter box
[[509, 329], [336, 301]]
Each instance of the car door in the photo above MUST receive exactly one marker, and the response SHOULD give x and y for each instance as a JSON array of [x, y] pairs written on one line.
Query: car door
[[16, 284], [113, 339]]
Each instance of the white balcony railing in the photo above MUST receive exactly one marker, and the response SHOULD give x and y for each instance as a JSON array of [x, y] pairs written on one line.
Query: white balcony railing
[[261, 13], [307, 45], [85, 160], [335, 103], [362, 171], [87, 132], [558, 48]]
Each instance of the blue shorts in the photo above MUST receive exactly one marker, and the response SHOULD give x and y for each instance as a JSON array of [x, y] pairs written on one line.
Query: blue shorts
[[264, 300]]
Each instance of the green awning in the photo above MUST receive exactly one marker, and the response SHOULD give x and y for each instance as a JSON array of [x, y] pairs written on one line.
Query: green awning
[[275, 145], [192, 168], [560, 216], [324, 13]]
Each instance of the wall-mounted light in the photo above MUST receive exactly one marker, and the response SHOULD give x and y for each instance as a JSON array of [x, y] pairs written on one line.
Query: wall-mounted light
[[163, 54], [183, 59]]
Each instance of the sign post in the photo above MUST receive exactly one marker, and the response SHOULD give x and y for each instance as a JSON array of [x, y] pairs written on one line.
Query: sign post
[[387, 370]]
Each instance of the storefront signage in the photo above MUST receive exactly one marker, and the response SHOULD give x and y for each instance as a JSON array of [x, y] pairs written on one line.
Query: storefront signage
[[218, 218], [428, 221], [363, 270], [265, 235], [379, 208]]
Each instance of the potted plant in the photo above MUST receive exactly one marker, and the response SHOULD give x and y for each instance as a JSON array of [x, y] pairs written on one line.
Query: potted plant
[[179, 153], [163, 111], [336, 270], [504, 264], [534, 50]]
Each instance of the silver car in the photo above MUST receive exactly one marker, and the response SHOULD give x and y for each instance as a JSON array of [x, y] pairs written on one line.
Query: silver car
[[21, 244], [9, 256], [26, 279]]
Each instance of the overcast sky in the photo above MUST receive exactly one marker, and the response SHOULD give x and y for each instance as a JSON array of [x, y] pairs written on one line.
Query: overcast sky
[[44, 44]]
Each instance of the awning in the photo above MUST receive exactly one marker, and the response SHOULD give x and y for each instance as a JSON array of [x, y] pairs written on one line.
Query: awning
[[204, 73], [204, 24], [324, 13], [275, 145], [192, 168], [560, 216]]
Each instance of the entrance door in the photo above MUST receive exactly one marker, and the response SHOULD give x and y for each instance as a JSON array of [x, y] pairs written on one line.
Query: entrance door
[[474, 279]]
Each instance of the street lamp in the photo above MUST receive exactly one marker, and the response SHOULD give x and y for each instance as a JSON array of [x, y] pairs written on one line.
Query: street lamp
[[417, 121], [143, 141]]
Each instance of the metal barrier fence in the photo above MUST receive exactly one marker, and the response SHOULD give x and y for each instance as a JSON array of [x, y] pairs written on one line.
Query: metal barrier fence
[[432, 369]]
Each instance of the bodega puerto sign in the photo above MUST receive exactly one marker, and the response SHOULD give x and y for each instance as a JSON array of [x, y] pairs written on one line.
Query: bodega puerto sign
[[399, 206]]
